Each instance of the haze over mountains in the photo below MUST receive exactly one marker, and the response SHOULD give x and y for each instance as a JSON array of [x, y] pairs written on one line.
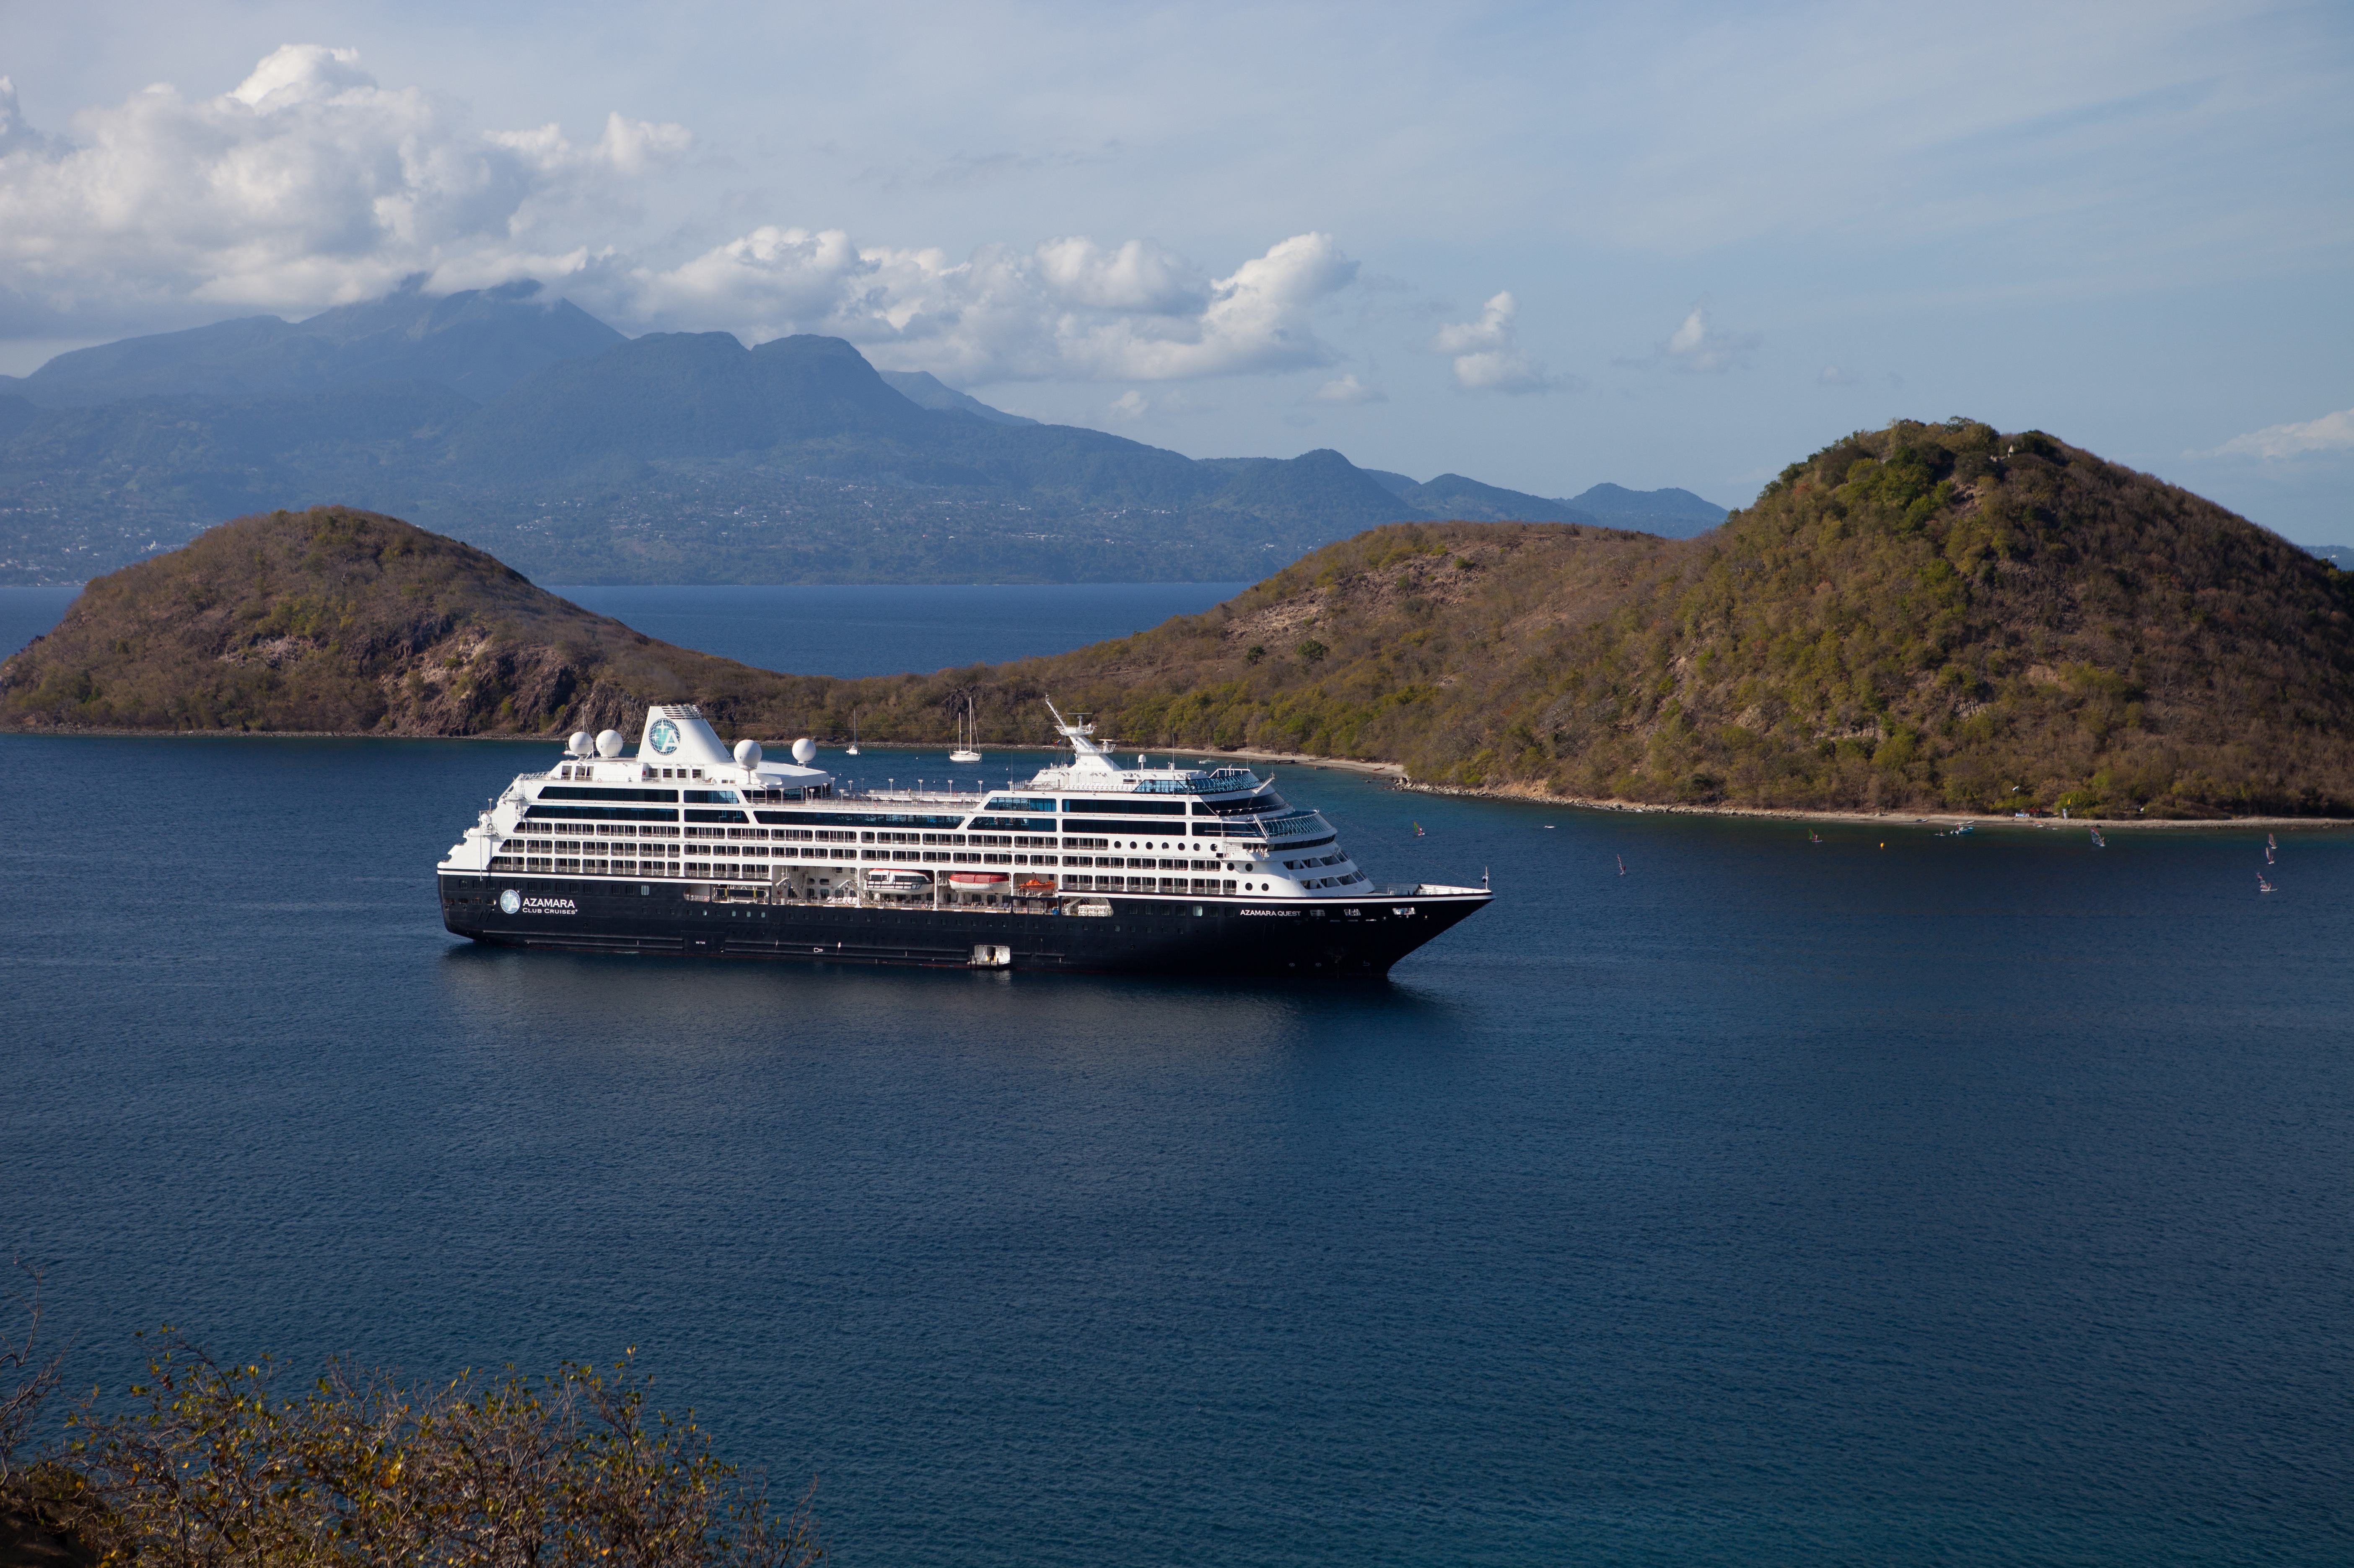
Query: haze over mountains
[[525, 426]]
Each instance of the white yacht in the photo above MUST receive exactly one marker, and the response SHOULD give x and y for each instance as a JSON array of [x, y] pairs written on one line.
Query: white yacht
[[693, 847]]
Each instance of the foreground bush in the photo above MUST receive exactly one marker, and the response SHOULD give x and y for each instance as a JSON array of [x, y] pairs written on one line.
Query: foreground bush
[[211, 1469]]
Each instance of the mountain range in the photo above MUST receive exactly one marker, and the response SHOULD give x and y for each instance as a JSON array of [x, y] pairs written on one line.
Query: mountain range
[[523, 425]]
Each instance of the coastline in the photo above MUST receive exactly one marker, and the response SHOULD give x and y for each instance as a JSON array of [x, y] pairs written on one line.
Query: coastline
[[1895, 818], [1394, 771]]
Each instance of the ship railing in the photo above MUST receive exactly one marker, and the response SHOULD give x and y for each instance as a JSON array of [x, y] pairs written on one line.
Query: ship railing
[[1217, 782], [921, 797]]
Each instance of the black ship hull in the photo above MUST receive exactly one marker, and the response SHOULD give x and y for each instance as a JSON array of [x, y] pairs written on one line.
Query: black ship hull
[[1303, 938]]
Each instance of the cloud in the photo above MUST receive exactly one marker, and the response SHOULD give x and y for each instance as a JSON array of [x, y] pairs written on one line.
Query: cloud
[[1487, 352], [1069, 309], [1130, 405], [16, 136], [1348, 389], [309, 185], [306, 185], [1833, 376], [1698, 346], [2330, 433]]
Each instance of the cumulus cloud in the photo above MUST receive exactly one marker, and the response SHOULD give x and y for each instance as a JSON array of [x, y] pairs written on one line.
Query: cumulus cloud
[[2330, 433], [1349, 389], [1069, 309], [1697, 347], [1130, 405], [309, 185], [1487, 352], [306, 185]]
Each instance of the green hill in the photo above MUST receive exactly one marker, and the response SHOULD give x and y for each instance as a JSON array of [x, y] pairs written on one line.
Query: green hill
[[1928, 616]]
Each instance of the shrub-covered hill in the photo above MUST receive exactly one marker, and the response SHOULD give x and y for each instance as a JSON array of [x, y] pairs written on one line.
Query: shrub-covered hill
[[334, 620], [1928, 616]]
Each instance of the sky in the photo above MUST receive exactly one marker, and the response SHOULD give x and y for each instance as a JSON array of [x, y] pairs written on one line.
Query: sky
[[1544, 246]]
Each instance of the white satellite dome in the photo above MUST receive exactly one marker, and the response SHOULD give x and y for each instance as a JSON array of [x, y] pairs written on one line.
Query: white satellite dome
[[581, 745], [608, 743], [747, 753], [804, 751]]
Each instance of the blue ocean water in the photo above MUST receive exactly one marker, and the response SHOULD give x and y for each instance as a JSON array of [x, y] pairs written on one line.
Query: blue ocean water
[[820, 629], [827, 630], [1891, 1199], [29, 612]]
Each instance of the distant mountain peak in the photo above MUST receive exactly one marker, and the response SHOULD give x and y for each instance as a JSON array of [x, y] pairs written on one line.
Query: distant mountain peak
[[925, 390], [1612, 503], [479, 343]]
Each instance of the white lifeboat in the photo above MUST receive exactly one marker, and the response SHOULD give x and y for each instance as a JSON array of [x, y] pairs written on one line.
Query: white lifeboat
[[883, 881], [982, 880]]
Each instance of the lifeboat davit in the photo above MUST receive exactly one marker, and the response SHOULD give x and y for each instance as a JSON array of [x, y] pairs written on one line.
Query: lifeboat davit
[[881, 881], [980, 881]]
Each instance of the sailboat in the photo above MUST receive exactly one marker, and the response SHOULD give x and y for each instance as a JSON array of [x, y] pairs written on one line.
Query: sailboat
[[964, 751], [1622, 865], [1418, 829], [853, 737], [2098, 842], [2271, 842], [2268, 855], [2261, 885]]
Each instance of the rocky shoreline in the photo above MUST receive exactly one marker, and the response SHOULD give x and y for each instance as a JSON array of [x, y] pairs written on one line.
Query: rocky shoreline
[[1806, 814]]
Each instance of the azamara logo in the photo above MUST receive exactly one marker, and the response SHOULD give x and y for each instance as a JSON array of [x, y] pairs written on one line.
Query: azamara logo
[[548, 907]]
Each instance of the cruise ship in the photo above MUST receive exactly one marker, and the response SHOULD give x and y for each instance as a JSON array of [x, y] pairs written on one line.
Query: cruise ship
[[692, 847]]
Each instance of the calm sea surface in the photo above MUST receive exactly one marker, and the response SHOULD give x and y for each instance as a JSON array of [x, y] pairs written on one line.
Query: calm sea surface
[[1977, 1200], [827, 630]]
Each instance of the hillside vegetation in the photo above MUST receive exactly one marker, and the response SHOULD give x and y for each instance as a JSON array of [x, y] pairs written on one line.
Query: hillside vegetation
[[350, 622], [1928, 616]]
